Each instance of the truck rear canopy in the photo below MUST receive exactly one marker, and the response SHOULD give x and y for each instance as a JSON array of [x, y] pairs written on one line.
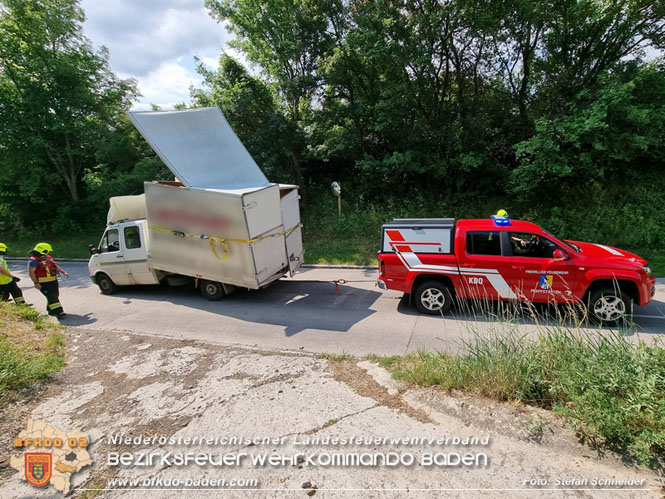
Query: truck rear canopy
[[418, 235]]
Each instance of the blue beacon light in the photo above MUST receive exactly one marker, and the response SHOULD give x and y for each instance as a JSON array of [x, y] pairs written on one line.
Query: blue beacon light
[[500, 221]]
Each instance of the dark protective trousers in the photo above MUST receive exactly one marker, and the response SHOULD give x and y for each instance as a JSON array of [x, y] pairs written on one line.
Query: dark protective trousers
[[51, 291], [11, 289]]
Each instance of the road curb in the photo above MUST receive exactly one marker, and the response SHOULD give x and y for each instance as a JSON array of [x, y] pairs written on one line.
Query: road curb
[[305, 266]]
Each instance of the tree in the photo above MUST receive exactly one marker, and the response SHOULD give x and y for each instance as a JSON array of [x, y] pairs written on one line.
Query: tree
[[286, 39], [250, 108], [59, 96], [610, 130]]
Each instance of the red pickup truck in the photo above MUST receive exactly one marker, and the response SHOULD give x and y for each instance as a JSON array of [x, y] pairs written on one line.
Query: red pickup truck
[[437, 259]]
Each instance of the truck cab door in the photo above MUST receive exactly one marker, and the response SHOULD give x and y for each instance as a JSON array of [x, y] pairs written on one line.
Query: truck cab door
[[484, 268], [111, 259], [535, 274], [135, 254]]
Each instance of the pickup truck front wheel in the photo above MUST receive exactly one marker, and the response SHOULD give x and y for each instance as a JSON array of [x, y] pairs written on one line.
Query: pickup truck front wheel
[[433, 298], [211, 290], [610, 307]]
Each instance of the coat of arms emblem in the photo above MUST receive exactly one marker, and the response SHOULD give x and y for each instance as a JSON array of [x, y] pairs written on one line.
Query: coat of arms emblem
[[38, 468]]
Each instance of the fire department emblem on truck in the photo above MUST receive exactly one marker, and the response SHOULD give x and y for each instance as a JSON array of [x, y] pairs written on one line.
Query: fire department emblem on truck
[[546, 281]]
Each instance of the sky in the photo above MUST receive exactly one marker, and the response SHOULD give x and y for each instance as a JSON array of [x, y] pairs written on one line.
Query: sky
[[155, 41]]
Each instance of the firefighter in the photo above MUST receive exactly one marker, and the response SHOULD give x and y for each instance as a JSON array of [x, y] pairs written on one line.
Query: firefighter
[[519, 241], [44, 274], [8, 281]]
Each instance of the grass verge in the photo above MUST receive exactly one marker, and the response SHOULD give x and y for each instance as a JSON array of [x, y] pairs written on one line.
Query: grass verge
[[612, 391], [31, 349], [64, 246]]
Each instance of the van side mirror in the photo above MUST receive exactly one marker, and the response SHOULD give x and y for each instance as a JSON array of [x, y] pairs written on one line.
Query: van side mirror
[[559, 255], [93, 250]]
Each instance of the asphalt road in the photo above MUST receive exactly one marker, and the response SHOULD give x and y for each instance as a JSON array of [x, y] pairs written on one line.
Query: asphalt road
[[304, 312]]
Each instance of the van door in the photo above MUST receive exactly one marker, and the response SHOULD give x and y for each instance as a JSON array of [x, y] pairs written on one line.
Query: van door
[[111, 258], [134, 249]]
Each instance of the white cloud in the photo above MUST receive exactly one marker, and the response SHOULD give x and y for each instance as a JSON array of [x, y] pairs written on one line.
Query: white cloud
[[165, 86], [155, 41]]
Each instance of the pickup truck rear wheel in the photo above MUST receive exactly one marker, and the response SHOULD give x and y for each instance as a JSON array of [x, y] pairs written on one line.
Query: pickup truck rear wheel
[[211, 290], [433, 298], [609, 306], [106, 285]]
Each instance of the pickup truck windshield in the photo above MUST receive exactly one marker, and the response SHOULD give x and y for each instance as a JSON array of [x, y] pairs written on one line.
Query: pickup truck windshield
[[570, 245]]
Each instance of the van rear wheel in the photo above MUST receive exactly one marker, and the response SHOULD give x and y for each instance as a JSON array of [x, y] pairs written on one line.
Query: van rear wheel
[[433, 298], [211, 290]]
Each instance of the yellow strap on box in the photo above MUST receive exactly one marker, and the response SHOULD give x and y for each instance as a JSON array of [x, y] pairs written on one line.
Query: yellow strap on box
[[214, 241]]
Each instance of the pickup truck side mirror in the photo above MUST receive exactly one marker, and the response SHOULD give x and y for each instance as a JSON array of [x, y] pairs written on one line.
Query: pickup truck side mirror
[[559, 255]]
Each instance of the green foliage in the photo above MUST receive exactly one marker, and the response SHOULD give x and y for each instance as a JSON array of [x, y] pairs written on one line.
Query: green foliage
[[616, 128], [58, 100], [460, 96], [611, 391], [249, 106], [65, 245], [19, 369], [31, 349]]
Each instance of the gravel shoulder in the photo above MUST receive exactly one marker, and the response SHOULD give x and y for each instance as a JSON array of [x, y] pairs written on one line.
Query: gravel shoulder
[[139, 385]]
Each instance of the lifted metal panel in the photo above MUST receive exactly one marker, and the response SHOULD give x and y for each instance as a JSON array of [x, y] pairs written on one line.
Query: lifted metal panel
[[199, 147]]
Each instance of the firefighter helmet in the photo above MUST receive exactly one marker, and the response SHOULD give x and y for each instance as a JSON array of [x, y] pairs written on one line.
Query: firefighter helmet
[[3, 248], [43, 248]]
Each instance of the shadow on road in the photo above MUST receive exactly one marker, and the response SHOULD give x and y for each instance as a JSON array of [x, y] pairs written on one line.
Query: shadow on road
[[77, 320], [295, 305]]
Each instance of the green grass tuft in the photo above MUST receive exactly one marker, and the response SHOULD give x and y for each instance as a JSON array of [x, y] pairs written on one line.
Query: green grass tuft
[[612, 391], [335, 357], [31, 349]]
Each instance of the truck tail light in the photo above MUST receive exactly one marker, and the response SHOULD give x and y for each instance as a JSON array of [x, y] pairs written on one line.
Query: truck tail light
[[382, 268]]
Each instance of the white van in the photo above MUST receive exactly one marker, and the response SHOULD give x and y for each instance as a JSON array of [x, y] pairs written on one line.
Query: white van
[[221, 225]]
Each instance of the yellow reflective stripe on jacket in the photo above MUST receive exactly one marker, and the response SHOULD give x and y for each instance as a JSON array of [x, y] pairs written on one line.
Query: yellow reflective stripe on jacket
[[214, 241], [48, 279], [3, 278]]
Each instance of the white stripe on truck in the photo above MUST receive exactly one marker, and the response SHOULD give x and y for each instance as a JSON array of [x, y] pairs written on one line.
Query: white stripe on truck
[[413, 263], [611, 250]]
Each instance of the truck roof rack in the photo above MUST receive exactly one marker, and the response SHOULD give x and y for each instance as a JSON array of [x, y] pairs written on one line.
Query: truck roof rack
[[422, 221]]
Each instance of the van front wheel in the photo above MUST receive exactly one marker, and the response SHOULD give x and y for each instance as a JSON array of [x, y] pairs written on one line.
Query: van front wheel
[[211, 290], [433, 298], [106, 285]]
